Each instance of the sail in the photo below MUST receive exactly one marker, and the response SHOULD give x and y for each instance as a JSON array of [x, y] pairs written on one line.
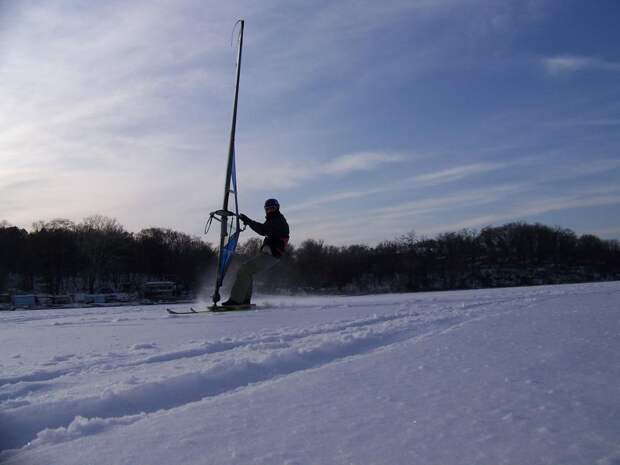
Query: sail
[[230, 225]]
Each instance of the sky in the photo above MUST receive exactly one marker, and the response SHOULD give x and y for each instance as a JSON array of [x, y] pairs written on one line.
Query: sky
[[367, 120]]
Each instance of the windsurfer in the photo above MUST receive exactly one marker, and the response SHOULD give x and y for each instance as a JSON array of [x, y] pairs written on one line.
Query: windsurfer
[[276, 232]]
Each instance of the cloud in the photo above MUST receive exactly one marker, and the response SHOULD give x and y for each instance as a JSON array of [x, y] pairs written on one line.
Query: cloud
[[573, 63], [537, 207], [285, 174], [99, 111], [408, 183], [459, 199], [453, 174], [340, 196], [364, 161], [381, 223], [122, 107], [432, 214]]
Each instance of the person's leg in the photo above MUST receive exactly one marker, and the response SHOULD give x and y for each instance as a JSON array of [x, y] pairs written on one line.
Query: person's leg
[[242, 289]]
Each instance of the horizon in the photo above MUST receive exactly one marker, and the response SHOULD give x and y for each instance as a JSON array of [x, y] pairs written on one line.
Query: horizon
[[366, 121]]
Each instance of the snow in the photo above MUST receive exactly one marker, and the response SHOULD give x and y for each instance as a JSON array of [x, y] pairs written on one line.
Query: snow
[[504, 376]]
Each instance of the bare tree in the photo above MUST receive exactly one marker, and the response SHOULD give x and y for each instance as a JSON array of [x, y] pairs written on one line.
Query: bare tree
[[99, 236]]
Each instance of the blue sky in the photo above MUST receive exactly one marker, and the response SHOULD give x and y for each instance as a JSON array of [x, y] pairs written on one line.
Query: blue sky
[[367, 120]]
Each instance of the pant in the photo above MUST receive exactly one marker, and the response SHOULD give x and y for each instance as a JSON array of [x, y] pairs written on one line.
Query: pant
[[242, 289]]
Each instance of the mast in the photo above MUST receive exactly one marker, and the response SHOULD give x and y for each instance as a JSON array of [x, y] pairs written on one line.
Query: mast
[[229, 172]]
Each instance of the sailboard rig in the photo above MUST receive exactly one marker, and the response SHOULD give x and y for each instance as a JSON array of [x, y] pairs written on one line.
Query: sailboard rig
[[229, 220]]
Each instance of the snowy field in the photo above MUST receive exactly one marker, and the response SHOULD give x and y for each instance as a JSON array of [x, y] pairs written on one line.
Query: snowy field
[[504, 376]]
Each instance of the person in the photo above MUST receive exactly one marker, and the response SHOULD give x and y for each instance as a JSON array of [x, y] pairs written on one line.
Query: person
[[276, 232]]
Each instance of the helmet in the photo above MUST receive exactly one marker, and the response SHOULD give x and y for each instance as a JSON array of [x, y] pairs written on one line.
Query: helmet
[[272, 203]]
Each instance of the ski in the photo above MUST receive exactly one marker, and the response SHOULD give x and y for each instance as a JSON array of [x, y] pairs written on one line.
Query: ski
[[186, 312], [212, 309], [230, 308]]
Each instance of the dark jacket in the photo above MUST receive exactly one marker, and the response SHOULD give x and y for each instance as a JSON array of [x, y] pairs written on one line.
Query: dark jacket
[[275, 228]]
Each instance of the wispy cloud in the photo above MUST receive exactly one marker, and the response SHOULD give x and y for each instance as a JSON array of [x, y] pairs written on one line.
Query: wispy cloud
[[459, 172], [87, 110], [288, 173], [534, 208], [335, 197], [408, 183], [453, 200], [364, 161], [518, 201], [380, 223], [572, 63]]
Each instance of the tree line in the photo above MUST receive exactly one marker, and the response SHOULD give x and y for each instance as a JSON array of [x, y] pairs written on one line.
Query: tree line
[[509, 255], [97, 254], [61, 256]]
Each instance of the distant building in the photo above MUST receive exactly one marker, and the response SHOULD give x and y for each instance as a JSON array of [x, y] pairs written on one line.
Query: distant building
[[24, 300], [159, 290], [62, 300]]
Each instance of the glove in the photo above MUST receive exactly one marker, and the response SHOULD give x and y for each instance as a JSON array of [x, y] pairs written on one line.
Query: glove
[[244, 218]]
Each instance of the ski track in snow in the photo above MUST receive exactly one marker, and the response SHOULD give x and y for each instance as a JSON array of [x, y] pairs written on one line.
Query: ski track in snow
[[47, 406]]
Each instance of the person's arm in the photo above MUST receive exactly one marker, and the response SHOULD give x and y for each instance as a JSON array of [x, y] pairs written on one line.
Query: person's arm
[[259, 228]]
